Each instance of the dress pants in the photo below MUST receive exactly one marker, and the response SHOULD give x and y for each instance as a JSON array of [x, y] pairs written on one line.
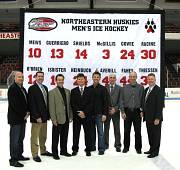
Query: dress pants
[[38, 138], [132, 116], [154, 136], [116, 124], [17, 134], [86, 123], [61, 130]]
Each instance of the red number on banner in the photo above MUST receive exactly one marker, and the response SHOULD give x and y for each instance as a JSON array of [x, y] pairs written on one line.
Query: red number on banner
[[126, 54], [151, 54], [53, 80], [107, 54], [105, 80], [75, 82], [80, 54], [57, 53], [144, 79], [35, 52], [124, 80], [31, 77]]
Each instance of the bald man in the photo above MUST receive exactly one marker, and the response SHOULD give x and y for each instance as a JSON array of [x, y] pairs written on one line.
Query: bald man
[[17, 115], [131, 106]]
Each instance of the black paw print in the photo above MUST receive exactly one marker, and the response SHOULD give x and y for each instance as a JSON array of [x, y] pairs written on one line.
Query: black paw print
[[150, 26]]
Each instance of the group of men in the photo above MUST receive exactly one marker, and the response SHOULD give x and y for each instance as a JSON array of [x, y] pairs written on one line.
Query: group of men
[[92, 107]]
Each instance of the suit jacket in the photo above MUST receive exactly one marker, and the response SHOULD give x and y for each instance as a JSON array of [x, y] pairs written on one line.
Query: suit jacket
[[18, 106], [154, 104], [57, 107], [114, 96], [37, 105], [81, 103]]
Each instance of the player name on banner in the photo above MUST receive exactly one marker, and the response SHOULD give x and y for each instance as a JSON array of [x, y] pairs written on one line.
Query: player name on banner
[[72, 43]]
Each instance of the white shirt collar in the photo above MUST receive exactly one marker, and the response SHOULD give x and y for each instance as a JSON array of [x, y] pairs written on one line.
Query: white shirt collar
[[81, 87], [151, 88]]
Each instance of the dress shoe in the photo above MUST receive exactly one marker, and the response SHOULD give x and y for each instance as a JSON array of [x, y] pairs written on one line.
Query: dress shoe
[[56, 157], [74, 153], [46, 154], [22, 158], [37, 159], [66, 154], [125, 150], [138, 152], [88, 153], [118, 149], [152, 155], [101, 153], [147, 152], [16, 164]]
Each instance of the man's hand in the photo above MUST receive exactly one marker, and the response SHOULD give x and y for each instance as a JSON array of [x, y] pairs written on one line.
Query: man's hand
[[39, 120], [142, 114], [112, 111], [81, 114], [27, 115], [103, 118], [54, 122], [156, 122], [123, 115]]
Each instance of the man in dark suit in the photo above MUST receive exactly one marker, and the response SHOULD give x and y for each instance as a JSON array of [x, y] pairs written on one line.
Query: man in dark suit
[[39, 114], [17, 115], [152, 109], [61, 115], [81, 102], [114, 113]]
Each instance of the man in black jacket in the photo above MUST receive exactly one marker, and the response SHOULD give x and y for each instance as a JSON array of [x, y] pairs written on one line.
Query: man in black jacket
[[100, 111], [39, 114], [152, 109], [81, 102], [17, 115]]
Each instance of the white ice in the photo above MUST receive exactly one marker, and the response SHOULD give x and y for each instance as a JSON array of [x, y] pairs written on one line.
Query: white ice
[[169, 158]]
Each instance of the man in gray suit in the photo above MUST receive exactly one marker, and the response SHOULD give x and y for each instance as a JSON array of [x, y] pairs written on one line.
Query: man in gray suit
[[61, 115], [114, 113]]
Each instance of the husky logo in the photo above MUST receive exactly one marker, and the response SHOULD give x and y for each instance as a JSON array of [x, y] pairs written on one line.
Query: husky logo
[[42, 24], [150, 26]]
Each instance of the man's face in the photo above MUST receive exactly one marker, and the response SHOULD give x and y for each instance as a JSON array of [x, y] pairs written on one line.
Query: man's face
[[81, 81], [96, 78], [40, 78], [19, 78], [151, 80], [112, 79], [132, 78], [60, 81]]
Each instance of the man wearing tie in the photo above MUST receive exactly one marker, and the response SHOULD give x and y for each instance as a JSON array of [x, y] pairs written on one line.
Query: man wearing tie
[[114, 113], [152, 109], [39, 114], [61, 115], [17, 115], [81, 102]]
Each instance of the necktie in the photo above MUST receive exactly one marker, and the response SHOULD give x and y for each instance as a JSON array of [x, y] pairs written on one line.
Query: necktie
[[111, 88], [147, 94], [81, 90], [44, 93]]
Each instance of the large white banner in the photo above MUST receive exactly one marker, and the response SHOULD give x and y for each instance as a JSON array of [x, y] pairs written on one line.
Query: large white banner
[[72, 43]]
